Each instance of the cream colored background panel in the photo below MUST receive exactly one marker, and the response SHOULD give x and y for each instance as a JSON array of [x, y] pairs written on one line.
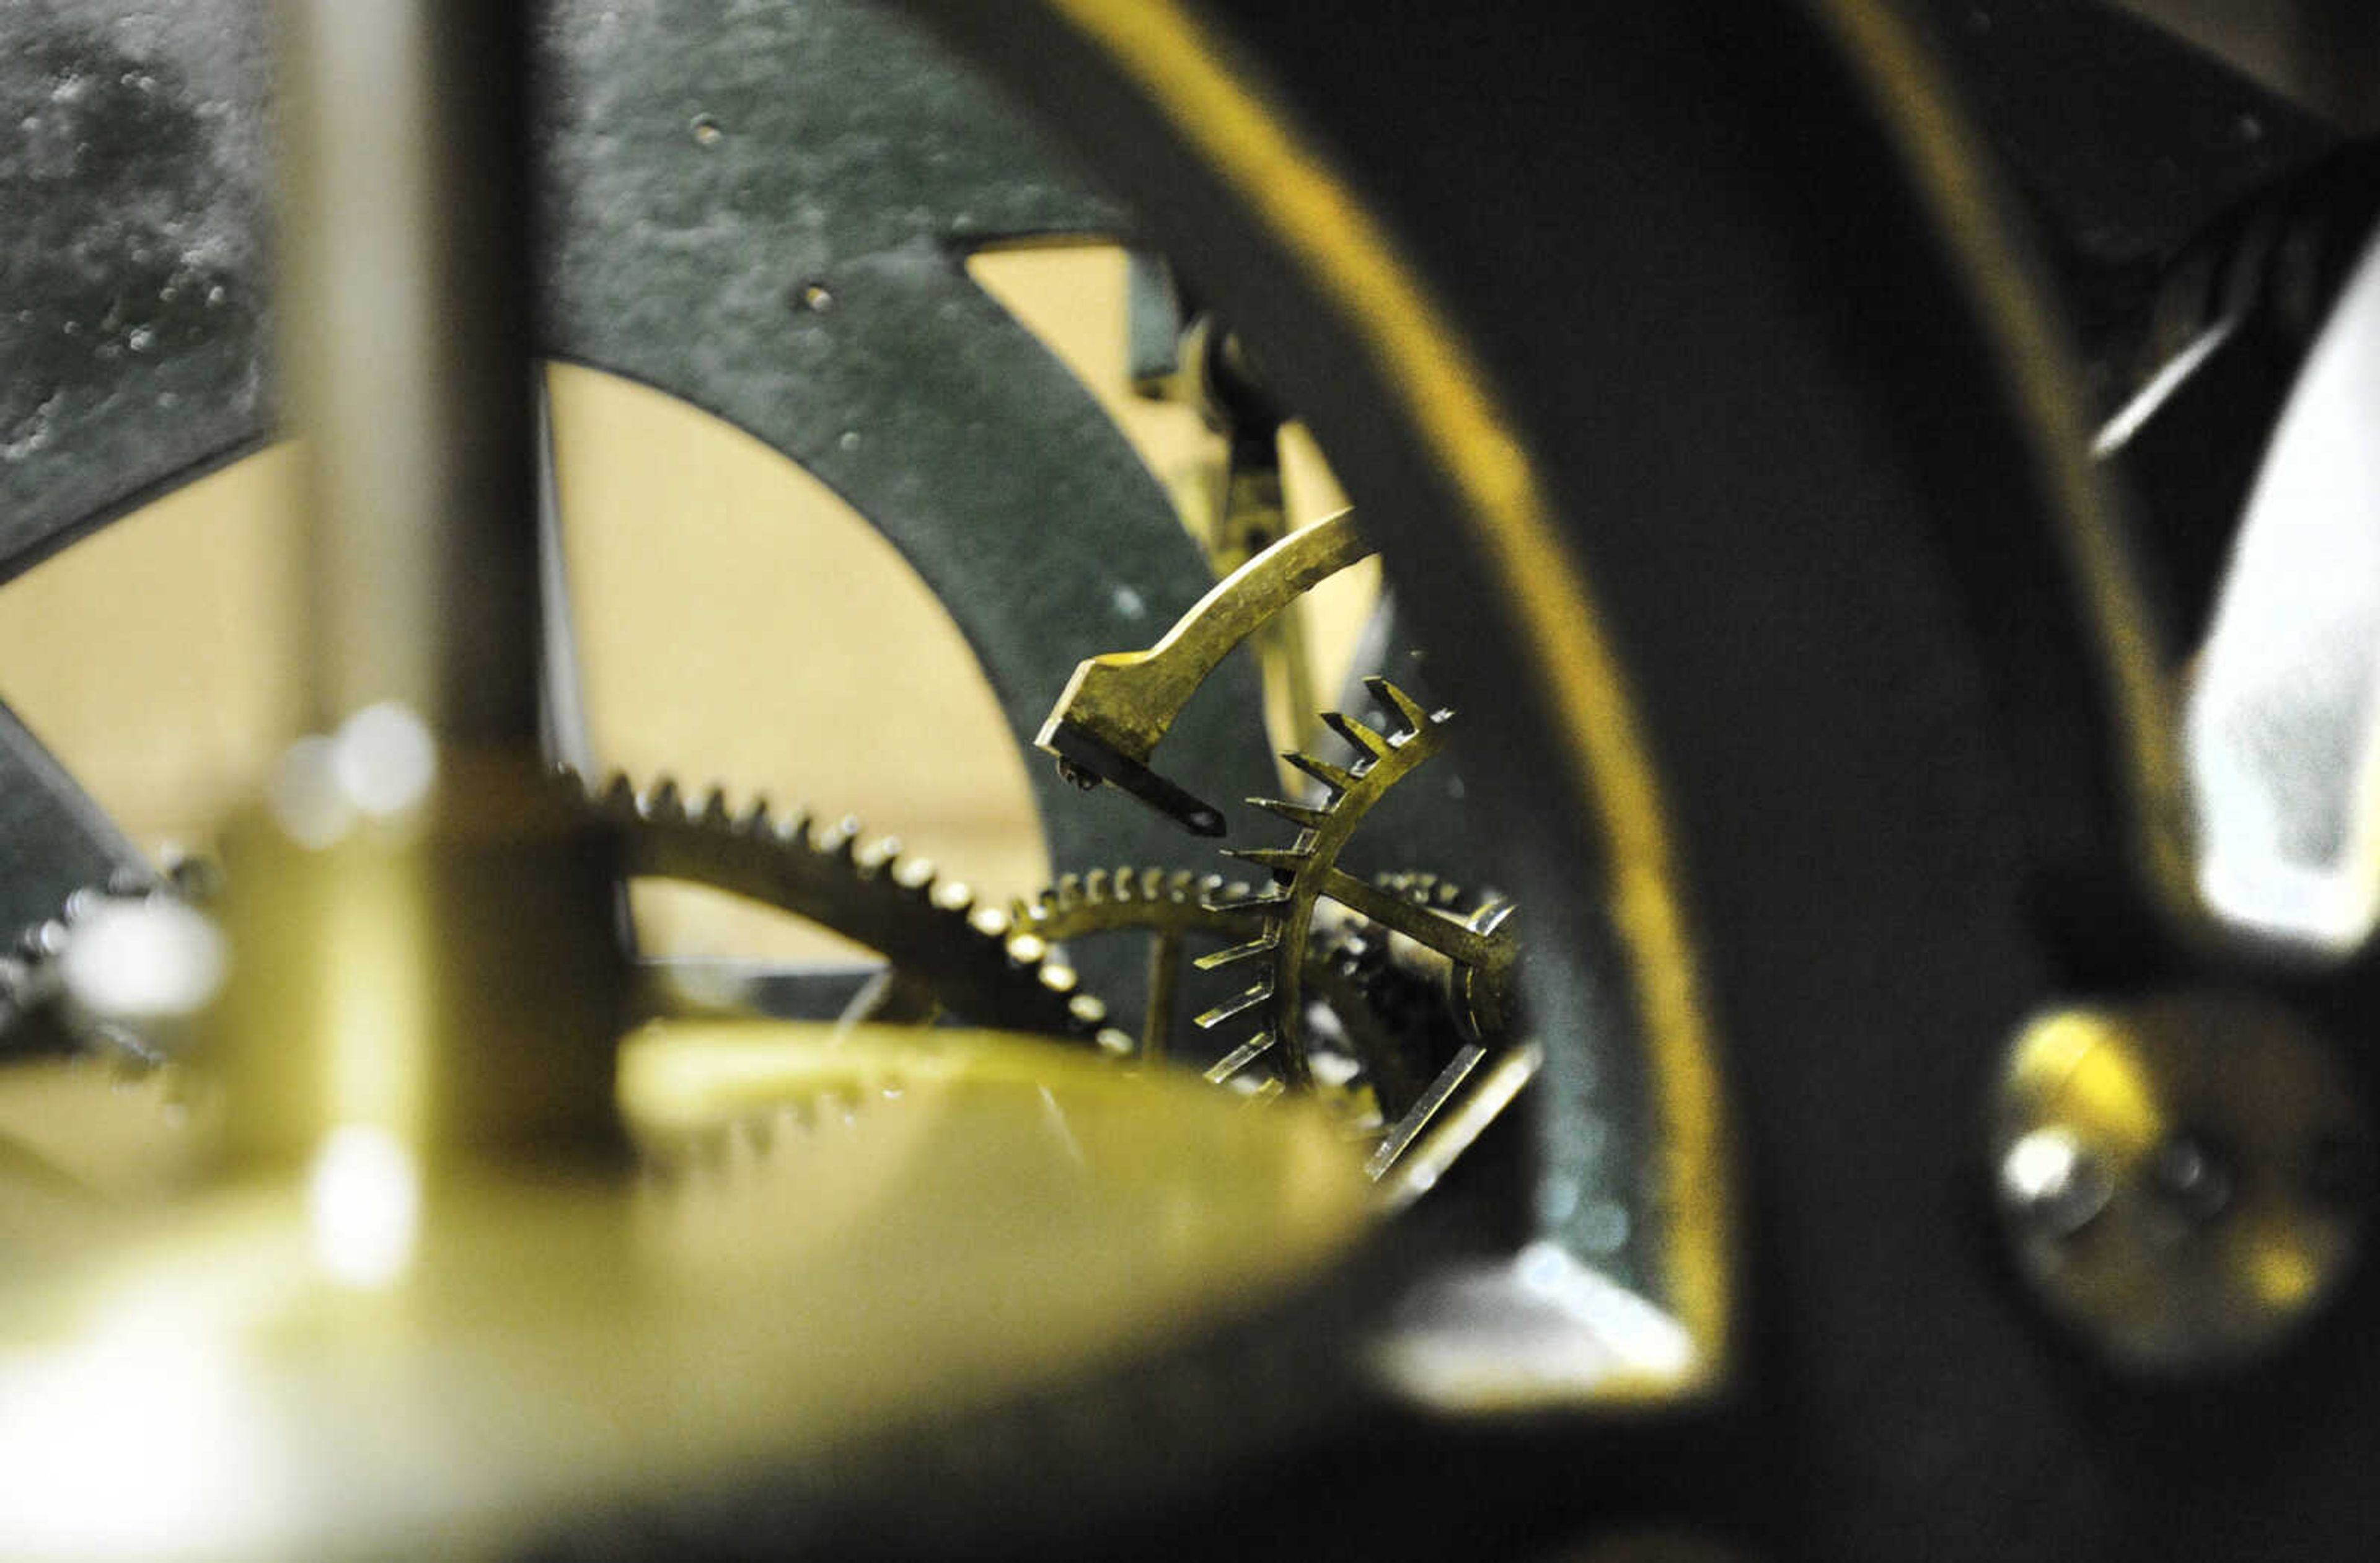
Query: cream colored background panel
[[739, 623], [157, 656]]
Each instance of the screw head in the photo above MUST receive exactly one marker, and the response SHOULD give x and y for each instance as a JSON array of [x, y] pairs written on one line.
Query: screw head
[[2193, 1177], [2175, 1177]]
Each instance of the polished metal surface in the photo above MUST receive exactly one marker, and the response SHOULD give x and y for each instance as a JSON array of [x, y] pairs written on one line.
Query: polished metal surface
[[340, 1369]]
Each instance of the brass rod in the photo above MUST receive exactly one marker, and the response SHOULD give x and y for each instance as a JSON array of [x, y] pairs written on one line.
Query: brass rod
[[404, 338]]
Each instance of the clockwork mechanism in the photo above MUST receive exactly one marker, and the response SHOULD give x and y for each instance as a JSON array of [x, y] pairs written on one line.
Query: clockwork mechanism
[[1785, 984]]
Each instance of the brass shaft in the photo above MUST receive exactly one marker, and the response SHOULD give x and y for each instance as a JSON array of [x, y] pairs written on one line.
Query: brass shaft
[[426, 950], [406, 346]]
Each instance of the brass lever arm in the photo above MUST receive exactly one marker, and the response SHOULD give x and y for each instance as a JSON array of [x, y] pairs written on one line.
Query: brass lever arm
[[1118, 707]]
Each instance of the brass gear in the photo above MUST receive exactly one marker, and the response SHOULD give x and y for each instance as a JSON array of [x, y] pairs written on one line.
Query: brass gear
[[1479, 947], [967, 958], [959, 955], [1169, 905]]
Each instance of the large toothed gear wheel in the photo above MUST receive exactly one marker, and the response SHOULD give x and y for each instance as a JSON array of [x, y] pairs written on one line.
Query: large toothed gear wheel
[[1306, 873], [958, 956]]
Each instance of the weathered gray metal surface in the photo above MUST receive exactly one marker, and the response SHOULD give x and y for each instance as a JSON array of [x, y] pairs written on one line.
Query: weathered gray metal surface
[[133, 284], [762, 208]]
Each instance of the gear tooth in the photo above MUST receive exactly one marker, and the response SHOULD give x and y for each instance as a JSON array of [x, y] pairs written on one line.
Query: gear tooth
[[1236, 897], [1024, 948], [878, 856], [1409, 711], [1087, 1010], [1266, 1090], [953, 895], [1115, 1043], [989, 921], [1229, 1009], [660, 802], [1236, 953], [1239, 1057], [618, 796], [1359, 737], [1297, 813], [715, 809], [794, 826], [754, 817], [1059, 979], [1280, 860], [1095, 886], [1156, 885], [1070, 889], [915, 874], [838, 839], [1339, 780]]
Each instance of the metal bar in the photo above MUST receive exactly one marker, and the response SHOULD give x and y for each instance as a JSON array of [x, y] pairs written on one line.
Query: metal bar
[[405, 259], [567, 738], [1164, 985]]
